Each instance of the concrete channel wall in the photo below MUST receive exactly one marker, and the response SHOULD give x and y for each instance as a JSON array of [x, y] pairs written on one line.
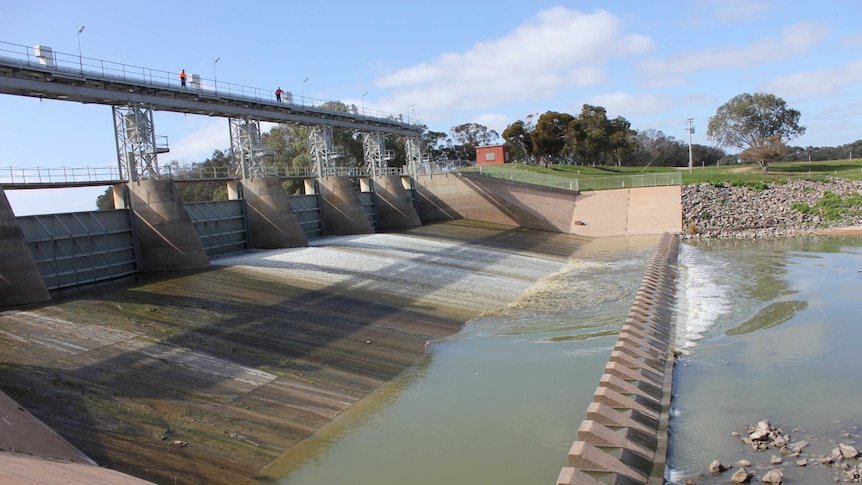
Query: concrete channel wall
[[600, 213], [623, 439]]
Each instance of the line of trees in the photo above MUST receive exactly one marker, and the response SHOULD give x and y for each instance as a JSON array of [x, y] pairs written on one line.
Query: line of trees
[[760, 125], [590, 138]]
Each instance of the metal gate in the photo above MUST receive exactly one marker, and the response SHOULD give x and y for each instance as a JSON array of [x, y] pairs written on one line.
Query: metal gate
[[307, 210], [367, 201], [81, 248], [220, 225]]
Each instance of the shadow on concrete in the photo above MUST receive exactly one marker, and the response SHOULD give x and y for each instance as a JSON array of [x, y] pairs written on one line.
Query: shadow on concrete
[[236, 363]]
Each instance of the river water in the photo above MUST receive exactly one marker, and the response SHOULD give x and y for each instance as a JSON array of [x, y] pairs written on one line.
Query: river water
[[768, 329], [771, 330]]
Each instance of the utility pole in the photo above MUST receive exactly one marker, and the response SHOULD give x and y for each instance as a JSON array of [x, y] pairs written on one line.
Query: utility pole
[[690, 131]]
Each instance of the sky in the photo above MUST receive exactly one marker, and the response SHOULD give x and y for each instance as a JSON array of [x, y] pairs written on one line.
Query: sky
[[444, 63]]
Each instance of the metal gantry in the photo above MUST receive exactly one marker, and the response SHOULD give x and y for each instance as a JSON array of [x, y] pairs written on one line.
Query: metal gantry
[[374, 152], [137, 144], [413, 147], [321, 150], [247, 147]]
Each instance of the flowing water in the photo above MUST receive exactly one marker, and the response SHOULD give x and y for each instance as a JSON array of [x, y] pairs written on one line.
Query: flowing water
[[500, 402], [767, 330], [770, 330]]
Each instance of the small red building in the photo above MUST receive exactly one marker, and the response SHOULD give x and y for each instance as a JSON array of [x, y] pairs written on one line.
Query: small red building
[[492, 155]]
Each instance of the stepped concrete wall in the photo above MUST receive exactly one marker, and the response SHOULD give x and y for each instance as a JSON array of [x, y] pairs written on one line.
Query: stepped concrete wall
[[625, 434]]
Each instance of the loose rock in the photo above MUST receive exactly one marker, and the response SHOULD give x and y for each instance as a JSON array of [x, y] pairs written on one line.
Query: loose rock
[[773, 476], [741, 476]]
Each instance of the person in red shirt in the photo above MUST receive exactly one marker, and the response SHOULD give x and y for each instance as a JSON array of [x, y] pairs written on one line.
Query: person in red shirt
[[278, 94], [183, 77]]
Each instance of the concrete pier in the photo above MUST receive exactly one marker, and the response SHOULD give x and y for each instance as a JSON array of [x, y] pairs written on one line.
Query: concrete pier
[[394, 210], [270, 220], [20, 281], [341, 208], [624, 437], [166, 236]]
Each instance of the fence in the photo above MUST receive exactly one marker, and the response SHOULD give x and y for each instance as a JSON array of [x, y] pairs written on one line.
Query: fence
[[504, 172]]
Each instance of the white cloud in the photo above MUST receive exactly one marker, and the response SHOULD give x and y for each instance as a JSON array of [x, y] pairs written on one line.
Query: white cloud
[[629, 104], [493, 121], [795, 39], [817, 83], [555, 50], [732, 11], [199, 145]]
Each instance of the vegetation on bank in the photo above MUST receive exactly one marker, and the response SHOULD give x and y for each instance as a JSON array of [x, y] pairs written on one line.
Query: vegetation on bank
[[748, 175]]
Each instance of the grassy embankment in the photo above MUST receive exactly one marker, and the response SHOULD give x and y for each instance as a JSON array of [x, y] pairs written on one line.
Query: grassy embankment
[[747, 174]]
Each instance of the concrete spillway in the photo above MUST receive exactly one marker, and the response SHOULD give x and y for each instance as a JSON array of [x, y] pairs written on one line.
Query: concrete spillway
[[623, 439]]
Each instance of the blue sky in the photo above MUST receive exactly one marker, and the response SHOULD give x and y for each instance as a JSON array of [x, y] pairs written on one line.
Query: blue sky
[[490, 62]]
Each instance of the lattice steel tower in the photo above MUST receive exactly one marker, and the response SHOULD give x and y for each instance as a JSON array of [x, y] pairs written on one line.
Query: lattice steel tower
[[137, 144], [247, 147]]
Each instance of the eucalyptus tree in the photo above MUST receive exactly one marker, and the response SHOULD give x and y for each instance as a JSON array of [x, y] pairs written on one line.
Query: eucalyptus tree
[[517, 135], [759, 124], [549, 137], [468, 136]]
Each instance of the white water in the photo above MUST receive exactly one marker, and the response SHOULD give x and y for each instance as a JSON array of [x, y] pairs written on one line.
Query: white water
[[704, 297]]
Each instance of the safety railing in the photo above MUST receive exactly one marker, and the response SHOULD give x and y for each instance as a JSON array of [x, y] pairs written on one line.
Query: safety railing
[[657, 179], [58, 175], [72, 65]]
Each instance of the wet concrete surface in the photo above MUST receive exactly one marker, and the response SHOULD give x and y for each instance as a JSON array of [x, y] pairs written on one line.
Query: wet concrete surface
[[207, 376]]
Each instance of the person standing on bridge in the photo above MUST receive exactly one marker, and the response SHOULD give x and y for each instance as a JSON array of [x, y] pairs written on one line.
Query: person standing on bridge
[[183, 77], [278, 94]]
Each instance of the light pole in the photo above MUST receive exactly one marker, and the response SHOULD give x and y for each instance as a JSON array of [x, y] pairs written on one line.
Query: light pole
[[303, 91], [408, 112], [690, 131], [215, 78], [363, 102], [80, 58]]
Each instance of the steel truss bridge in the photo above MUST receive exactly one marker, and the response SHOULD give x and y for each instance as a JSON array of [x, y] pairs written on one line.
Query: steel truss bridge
[[134, 93]]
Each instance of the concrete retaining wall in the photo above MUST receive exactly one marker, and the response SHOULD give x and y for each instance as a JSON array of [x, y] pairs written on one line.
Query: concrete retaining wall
[[624, 436], [620, 212]]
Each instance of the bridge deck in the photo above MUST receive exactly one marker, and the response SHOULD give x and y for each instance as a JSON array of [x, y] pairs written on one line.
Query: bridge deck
[[69, 78]]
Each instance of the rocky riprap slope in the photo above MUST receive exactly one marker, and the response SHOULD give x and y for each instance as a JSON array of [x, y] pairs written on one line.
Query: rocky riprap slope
[[744, 213]]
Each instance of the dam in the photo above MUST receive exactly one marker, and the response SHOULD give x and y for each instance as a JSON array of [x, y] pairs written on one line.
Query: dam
[[187, 355], [197, 342]]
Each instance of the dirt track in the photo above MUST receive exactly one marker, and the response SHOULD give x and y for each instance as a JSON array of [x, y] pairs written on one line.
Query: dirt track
[[206, 377]]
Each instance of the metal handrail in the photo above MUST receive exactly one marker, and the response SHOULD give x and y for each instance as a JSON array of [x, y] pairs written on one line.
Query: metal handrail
[[57, 175], [76, 65], [654, 179], [35, 176]]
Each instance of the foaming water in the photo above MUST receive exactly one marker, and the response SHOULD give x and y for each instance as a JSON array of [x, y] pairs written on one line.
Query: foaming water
[[497, 403], [706, 279]]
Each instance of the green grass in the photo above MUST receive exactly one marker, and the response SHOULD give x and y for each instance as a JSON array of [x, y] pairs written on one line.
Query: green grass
[[748, 175], [833, 207]]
